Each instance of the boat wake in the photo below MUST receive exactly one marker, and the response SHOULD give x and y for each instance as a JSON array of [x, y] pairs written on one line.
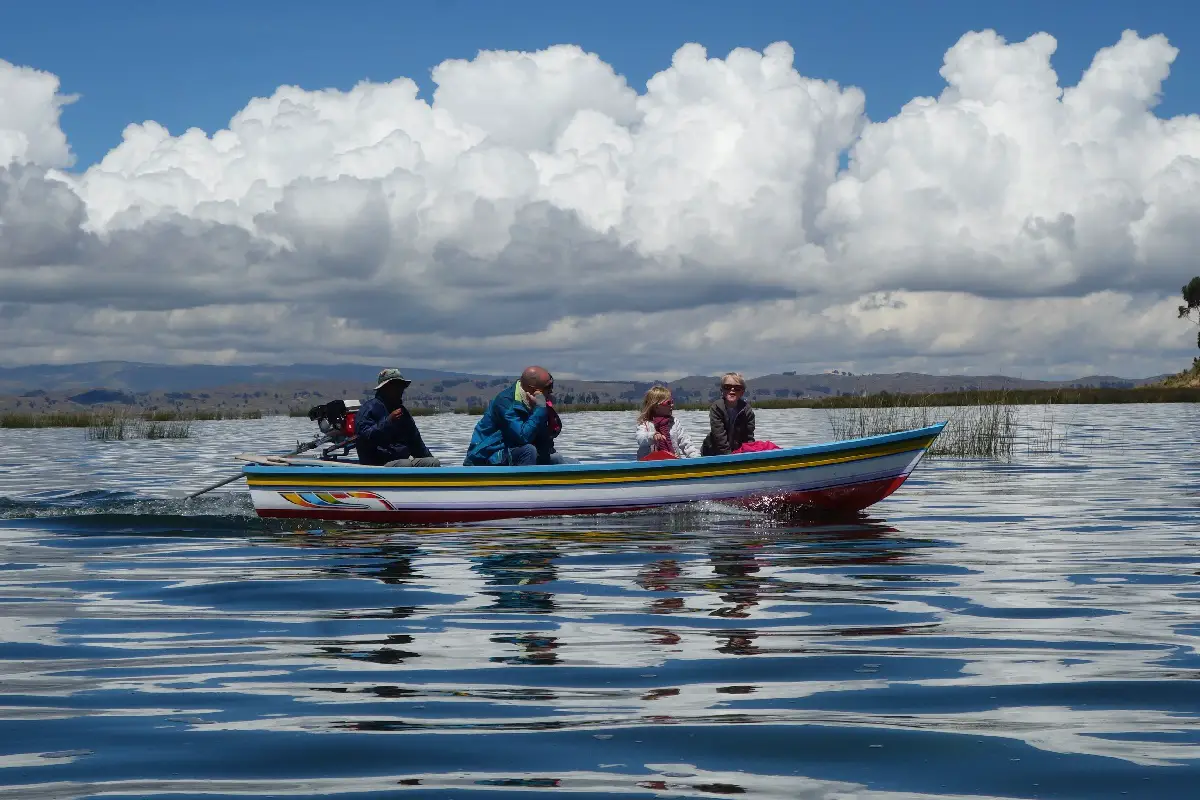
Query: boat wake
[[114, 508]]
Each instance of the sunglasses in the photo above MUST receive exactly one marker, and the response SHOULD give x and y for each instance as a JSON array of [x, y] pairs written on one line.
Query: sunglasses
[[729, 387], [667, 402]]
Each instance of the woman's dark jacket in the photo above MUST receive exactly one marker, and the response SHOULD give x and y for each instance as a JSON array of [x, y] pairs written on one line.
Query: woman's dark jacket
[[729, 428]]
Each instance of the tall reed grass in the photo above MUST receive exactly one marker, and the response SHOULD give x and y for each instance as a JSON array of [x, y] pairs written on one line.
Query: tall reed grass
[[118, 428], [111, 429], [167, 430], [995, 429], [975, 431]]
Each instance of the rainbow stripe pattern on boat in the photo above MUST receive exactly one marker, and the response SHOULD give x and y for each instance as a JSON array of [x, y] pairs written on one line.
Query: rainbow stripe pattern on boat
[[836, 476], [339, 500]]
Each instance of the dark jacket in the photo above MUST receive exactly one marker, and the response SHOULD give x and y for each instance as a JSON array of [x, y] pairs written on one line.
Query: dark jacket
[[382, 439], [729, 429], [509, 423]]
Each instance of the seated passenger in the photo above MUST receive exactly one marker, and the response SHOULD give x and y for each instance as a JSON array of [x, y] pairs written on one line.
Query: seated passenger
[[659, 434], [519, 426], [387, 434], [730, 418]]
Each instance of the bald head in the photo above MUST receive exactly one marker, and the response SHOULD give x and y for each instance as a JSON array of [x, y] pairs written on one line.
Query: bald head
[[535, 378]]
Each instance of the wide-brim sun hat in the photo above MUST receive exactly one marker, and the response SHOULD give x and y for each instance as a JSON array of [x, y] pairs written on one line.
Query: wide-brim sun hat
[[389, 375]]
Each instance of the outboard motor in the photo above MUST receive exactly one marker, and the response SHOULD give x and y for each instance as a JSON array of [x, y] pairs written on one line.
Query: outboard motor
[[336, 419]]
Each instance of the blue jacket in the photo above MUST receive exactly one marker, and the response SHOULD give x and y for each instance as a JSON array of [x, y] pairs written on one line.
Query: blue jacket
[[505, 424], [382, 439]]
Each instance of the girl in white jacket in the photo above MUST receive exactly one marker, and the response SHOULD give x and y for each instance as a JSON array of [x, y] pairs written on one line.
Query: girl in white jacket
[[658, 431]]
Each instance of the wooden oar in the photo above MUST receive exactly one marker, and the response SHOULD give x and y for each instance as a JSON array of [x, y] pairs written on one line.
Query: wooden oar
[[300, 448]]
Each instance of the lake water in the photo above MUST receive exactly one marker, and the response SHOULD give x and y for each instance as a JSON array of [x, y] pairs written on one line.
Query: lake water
[[1017, 628]]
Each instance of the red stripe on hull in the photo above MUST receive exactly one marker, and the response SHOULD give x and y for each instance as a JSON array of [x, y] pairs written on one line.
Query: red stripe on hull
[[435, 516], [835, 500]]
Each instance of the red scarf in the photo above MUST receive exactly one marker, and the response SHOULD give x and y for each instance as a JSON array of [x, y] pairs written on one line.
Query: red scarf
[[663, 425], [553, 421]]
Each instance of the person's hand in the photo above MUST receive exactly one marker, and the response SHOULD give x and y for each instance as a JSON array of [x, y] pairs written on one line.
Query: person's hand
[[397, 414], [658, 437], [539, 399]]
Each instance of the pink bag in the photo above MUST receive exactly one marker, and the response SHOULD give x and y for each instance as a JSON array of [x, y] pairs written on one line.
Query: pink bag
[[756, 447]]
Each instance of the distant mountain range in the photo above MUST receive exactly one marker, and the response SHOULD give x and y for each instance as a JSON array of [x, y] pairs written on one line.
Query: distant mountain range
[[278, 389]]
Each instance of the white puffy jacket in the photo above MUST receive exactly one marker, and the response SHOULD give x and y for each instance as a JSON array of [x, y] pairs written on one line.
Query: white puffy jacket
[[683, 443]]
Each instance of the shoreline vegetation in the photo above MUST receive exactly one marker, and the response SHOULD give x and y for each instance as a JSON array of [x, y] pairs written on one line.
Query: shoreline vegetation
[[1182, 390], [108, 424], [1188, 379], [970, 397]]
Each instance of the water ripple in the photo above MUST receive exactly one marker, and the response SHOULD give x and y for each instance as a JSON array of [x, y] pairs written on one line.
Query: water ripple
[[1017, 629]]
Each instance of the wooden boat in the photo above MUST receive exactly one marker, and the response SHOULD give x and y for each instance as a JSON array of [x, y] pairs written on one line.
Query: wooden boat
[[842, 476]]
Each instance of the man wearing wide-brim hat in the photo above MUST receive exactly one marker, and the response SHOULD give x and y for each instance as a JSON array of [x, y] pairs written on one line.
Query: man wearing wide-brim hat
[[387, 433]]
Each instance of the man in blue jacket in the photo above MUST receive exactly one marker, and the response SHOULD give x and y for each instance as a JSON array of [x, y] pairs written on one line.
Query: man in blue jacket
[[519, 426], [387, 434]]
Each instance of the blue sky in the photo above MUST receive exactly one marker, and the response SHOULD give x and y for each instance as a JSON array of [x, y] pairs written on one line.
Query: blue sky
[[197, 65]]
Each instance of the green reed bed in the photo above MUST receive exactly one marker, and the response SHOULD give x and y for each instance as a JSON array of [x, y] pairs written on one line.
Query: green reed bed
[[222, 414], [53, 419], [571, 408], [103, 426], [1012, 397], [472, 411], [963, 398], [205, 414], [119, 419]]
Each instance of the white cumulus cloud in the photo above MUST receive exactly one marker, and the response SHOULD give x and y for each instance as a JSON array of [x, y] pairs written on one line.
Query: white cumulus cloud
[[541, 208], [30, 105], [1007, 184]]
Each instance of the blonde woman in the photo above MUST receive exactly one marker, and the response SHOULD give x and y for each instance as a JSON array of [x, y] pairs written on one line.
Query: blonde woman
[[730, 418], [659, 434]]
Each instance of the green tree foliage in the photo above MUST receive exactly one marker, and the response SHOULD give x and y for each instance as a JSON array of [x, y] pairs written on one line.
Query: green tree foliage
[[1191, 296]]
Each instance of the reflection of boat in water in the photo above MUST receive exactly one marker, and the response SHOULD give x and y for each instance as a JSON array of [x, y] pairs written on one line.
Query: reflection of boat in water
[[842, 476]]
